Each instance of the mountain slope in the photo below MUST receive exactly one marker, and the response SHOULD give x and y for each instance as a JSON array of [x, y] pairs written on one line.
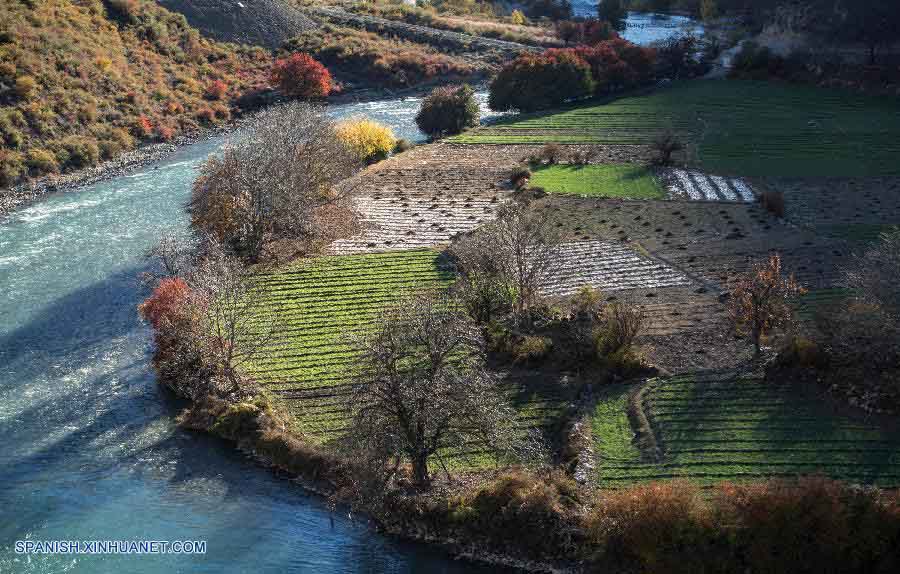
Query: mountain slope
[[83, 80], [267, 23]]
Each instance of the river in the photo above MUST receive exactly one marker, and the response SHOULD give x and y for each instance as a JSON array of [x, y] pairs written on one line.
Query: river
[[88, 446]]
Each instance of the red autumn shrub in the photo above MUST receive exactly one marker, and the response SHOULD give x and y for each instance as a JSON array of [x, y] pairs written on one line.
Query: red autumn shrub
[[617, 63], [216, 90], [811, 525], [143, 127], [206, 115], [166, 304], [588, 32], [300, 76], [165, 133], [657, 527], [536, 82]]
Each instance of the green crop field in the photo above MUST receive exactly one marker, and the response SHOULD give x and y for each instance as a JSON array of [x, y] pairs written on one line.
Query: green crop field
[[324, 305], [610, 180], [736, 127], [713, 428]]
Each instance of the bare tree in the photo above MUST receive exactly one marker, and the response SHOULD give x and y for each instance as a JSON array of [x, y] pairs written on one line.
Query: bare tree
[[520, 248], [424, 389], [172, 256], [235, 318], [275, 181], [760, 299]]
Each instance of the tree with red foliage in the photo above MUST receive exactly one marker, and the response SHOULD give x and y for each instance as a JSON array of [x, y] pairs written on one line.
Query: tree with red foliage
[[615, 63], [534, 82], [588, 32], [760, 299], [300, 76], [166, 303]]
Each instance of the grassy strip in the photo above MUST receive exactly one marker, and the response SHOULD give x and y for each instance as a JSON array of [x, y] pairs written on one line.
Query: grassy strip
[[737, 128], [734, 430], [612, 180]]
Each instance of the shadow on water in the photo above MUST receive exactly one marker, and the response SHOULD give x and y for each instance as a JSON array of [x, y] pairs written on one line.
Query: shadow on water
[[90, 447]]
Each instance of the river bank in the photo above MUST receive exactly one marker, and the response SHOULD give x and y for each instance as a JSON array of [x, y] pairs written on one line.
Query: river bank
[[29, 192]]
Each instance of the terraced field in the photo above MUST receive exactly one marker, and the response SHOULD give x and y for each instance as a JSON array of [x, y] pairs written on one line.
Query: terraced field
[[696, 186], [737, 127], [857, 210], [715, 426], [326, 303], [608, 267], [608, 180], [426, 196]]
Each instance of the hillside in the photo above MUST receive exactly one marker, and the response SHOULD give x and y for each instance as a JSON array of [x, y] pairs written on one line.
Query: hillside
[[84, 80], [267, 23]]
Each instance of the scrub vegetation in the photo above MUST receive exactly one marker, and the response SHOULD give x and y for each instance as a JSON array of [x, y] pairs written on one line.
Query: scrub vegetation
[[85, 81]]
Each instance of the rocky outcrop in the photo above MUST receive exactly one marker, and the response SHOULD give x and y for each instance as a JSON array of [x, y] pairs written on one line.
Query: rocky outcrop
[[266, 23]]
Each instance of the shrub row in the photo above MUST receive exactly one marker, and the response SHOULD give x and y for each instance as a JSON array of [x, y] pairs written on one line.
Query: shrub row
[[358, 54], [535, 82], [812, 524]]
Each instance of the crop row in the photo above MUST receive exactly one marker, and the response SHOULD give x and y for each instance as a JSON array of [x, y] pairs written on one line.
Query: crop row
[[712, 428], [738, 128]]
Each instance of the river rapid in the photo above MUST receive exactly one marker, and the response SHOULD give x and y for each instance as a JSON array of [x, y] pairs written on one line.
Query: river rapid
[[88, 445]]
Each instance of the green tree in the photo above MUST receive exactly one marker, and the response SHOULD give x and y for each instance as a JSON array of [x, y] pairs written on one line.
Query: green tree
[[448, 110]]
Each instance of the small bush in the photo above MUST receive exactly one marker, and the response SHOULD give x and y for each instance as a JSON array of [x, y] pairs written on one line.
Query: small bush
[[403, 145], [585, 33], [11, 167], [143, 127], [165, 133], [659, 527], [300, 76], [238, 422], [370, 140], [622, 324], [82, 151], [665, 145], [166, 304], [524, 513], [802, 352], [25, 87], [41, 161], [531, 349], [216, 90], [773, 202], [448, 110], [583, 156], [518, 18], [519, 176], [550, 154]]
